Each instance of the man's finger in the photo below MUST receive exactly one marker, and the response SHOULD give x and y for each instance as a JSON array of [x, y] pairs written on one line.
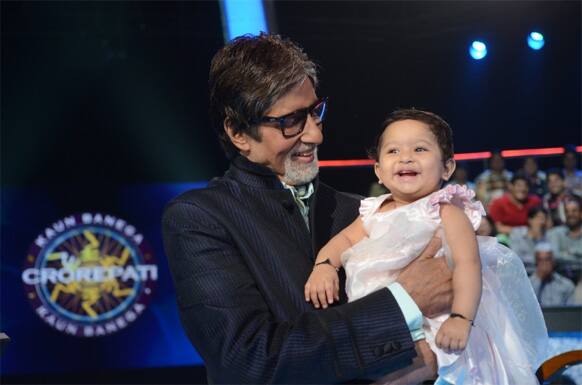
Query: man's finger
[[432, 248]]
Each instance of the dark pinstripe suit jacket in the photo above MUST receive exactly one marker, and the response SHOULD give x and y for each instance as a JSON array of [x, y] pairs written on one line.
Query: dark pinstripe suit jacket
[[240, 254]]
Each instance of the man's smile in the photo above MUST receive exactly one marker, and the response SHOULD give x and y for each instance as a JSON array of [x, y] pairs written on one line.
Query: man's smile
[[304, 156]]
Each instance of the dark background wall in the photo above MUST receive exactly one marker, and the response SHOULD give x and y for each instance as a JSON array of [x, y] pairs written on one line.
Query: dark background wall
[[377, 56], [107, 91], [116, 91]]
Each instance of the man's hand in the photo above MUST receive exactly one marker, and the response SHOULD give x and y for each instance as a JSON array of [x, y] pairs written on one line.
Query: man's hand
[[428, 281], [424, 367]]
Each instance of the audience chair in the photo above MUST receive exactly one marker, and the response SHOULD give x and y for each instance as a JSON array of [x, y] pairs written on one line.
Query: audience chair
[[554, 366]]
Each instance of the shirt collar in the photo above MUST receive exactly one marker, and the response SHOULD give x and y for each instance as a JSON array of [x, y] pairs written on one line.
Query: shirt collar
[[301, 196], [302, 192]]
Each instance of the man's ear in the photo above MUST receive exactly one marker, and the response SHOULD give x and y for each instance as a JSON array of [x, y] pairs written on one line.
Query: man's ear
[[450, 166], [239, 139]]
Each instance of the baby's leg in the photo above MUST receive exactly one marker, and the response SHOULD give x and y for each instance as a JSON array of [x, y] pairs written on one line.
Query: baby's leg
[[423, 368]]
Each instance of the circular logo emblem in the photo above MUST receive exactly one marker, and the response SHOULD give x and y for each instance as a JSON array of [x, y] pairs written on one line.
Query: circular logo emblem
[[89, 275]]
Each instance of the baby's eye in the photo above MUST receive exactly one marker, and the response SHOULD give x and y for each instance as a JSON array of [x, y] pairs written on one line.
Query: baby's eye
[[392, 151], [420, 149]]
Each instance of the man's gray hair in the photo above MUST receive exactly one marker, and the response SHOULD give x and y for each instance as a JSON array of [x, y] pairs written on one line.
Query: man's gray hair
[[248, 76]]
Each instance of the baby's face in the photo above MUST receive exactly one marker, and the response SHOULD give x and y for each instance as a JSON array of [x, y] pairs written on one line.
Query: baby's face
[[410, 162]]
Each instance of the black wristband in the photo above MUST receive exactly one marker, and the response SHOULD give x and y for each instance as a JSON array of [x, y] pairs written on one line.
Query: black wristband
[[326, 262], [457, 315]]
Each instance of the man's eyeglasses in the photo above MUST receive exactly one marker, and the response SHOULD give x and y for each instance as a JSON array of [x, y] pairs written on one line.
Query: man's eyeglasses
[[293, 124]]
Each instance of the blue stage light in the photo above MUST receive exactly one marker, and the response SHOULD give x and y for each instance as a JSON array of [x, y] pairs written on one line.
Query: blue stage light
[[478, 50], [535, 40], [243, 17]]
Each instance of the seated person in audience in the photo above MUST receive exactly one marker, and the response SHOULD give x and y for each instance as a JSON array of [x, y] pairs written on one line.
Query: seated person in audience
[[553, 201], [493, 182], [511, 209], [567, 239], [461, 177], [487, 227], [551, 288], [535, 177], [572, 175], [578, 292], [523, 239]]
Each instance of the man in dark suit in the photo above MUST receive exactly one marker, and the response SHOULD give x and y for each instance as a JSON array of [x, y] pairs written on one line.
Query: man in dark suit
[[241, 250]]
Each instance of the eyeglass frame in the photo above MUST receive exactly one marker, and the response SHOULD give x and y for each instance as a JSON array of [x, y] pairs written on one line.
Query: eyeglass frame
[[307, 110]]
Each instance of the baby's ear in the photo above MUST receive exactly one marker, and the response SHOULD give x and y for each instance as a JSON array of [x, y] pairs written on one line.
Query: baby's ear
[[377, 172], [450, 166]]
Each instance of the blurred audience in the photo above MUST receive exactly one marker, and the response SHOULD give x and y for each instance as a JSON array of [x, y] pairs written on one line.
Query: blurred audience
[[535, 177], [567, 239], [512, 209], [551, 288], [376, 189], [461, 176], [578, 292], [572, 175], [553, 201], [523, 239], [493, 182], [539, 216], [487, 227]]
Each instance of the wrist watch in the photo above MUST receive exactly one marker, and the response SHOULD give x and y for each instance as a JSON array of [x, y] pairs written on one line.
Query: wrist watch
[[326, 262]]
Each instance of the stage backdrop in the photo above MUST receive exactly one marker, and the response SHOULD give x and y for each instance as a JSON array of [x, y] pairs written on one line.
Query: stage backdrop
[[85, 284]]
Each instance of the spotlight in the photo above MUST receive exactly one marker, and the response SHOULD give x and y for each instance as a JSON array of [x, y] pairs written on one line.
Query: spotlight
[[535, 40], [478, 50]]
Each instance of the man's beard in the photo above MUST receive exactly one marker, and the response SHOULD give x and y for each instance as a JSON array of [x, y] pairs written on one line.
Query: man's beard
[[298, 173]]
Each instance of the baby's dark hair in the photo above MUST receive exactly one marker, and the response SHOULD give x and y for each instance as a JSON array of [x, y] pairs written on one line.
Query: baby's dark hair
[[437, 125]]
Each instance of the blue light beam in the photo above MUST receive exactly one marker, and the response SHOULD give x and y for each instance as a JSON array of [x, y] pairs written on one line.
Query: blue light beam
[[242, 17]]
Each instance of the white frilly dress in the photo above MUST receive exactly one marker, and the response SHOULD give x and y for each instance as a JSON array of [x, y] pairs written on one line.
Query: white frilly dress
[[509, 339]]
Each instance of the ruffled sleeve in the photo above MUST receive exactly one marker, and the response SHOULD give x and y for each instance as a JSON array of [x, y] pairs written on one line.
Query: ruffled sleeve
[[460, 196], [369, 206]]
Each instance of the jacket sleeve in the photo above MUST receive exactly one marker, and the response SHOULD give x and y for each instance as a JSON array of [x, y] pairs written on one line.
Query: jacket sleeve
[[231, 326]]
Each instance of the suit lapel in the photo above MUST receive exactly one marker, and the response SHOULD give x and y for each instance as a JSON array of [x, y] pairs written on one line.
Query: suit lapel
[[276, 200], [321, 224]]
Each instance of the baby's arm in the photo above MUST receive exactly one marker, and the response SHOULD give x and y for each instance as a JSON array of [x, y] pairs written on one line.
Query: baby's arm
[[460, 236], [322, 287]]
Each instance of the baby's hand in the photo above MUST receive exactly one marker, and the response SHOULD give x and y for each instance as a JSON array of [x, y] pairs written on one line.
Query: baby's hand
[[453, 335], [322, 287]]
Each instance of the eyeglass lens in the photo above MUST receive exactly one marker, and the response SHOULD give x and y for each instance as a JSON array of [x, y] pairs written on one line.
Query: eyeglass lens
[[295, 123]]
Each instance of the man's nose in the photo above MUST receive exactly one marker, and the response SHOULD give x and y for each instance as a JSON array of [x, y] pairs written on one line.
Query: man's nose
[[312, 133]]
